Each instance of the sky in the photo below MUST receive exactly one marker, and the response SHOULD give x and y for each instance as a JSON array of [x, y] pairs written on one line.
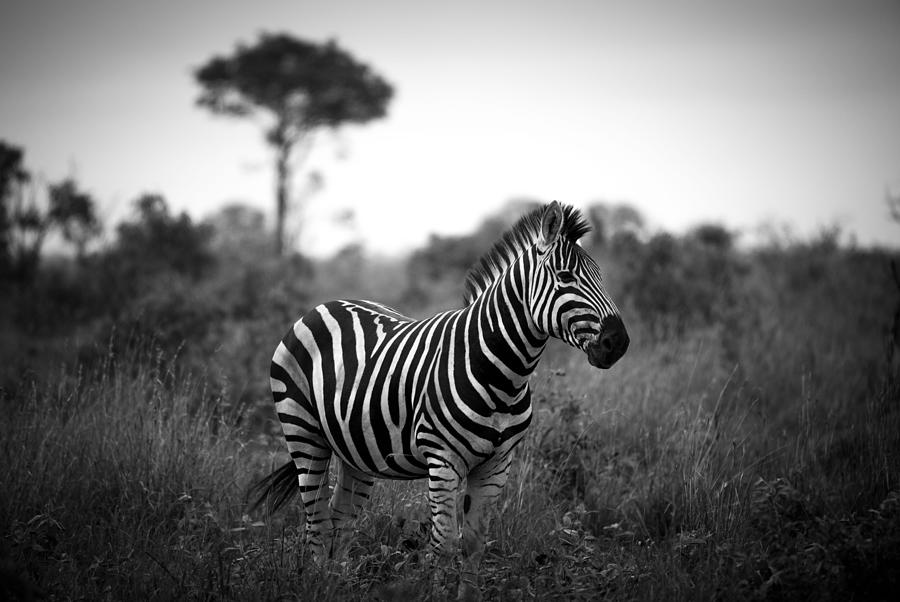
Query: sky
[[740, 113]]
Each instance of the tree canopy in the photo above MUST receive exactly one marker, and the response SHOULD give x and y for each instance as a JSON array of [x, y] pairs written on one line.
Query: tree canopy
[[308, 85], [302, 85]]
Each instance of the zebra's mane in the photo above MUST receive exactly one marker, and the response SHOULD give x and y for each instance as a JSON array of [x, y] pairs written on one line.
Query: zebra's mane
[[515, 241]]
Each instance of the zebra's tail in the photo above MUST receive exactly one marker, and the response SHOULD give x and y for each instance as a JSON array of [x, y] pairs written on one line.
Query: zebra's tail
[[276, 489]]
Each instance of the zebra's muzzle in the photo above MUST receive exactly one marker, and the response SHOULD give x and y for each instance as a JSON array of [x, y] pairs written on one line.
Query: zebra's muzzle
[[606, 349]]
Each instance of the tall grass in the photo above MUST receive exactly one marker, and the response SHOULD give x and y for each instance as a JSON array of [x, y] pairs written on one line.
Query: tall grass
[[117, 479], [754, 460], [666, 479]]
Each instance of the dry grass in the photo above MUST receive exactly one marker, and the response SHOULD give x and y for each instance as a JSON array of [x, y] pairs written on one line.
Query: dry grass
[[744, 462], [667, 479]]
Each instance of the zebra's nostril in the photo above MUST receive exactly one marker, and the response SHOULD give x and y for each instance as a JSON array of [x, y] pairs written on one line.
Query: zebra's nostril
[[612, 343], [606, 342]]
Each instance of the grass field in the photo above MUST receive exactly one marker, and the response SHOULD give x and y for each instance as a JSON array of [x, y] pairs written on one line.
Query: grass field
[[744, 459]]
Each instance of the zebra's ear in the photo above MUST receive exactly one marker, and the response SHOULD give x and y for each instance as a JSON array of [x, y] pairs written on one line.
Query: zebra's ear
[[551, 224]]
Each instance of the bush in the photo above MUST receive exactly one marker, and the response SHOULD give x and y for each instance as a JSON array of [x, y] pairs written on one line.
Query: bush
[[675, 284]]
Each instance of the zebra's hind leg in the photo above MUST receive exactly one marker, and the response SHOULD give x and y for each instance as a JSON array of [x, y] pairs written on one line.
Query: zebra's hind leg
[[351, 493], [312, 455]]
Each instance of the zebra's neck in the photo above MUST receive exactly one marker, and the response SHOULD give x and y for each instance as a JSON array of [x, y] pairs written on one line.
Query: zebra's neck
[[502, 325]]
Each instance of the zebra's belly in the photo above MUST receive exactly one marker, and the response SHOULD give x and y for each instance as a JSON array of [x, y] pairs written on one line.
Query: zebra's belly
[[370, 426]]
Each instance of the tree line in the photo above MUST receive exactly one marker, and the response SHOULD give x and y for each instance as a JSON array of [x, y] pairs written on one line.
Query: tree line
[[296, 86], [29, 212]]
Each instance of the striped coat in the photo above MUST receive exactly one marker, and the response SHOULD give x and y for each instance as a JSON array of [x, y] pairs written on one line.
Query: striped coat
[[444, 398]]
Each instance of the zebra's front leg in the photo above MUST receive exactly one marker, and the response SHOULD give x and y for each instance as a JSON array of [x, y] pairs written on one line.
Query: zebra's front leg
[[351, 493], [484, 486], [443, 487]]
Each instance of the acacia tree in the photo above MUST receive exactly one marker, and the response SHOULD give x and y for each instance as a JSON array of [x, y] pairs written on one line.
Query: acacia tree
[[301, 87]]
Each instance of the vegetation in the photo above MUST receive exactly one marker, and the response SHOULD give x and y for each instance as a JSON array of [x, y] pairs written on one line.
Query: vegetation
[[302, 86], [746, 447], [28, 214]]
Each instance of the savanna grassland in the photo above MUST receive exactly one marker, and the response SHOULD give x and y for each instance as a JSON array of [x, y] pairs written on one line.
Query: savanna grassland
[[746, 447]]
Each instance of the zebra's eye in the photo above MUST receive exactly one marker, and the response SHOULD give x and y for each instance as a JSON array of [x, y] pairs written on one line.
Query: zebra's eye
[[565, 277]]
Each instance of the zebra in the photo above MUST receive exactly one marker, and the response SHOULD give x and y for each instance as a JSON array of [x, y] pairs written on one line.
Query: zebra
[[444, 398]]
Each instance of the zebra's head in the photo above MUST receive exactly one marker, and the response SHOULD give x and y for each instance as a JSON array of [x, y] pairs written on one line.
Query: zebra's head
[[567, 296]]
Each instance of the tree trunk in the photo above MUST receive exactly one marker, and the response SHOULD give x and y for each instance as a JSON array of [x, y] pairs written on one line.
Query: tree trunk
[[282, 193]]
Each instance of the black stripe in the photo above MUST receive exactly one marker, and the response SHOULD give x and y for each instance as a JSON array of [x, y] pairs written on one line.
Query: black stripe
[[297, 421]]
